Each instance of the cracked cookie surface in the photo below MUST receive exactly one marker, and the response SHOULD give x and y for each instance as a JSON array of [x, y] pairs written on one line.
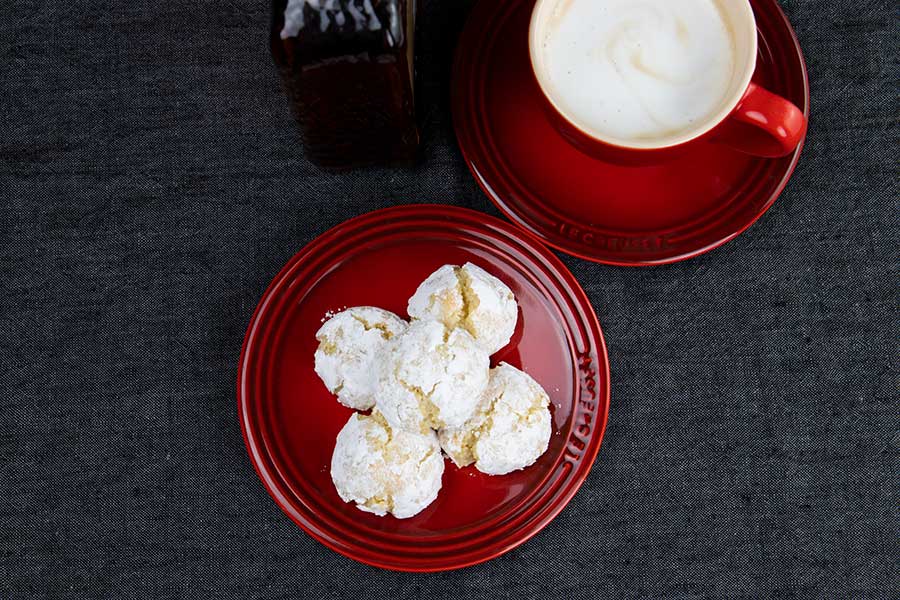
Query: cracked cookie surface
[[470, 298], [383, 470], [431, 377], [510, 429], [350, 343]]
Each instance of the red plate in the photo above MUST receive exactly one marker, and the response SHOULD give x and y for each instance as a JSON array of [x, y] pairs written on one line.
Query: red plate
[[290, 421], [628, 216]]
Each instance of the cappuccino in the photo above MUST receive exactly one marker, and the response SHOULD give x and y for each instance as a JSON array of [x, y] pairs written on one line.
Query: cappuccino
[[638, 72]]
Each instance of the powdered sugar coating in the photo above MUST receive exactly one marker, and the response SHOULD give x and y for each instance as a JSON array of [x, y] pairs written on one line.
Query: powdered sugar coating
[[510, 429], [349, 344], [383, 470], [471, 298], [433, 377]]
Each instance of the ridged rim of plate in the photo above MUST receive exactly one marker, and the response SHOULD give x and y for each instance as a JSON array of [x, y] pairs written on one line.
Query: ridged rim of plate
[[537, 215], [518, 522]]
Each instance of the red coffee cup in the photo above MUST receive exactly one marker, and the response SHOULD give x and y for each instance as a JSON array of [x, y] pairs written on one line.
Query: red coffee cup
[[749, 118]]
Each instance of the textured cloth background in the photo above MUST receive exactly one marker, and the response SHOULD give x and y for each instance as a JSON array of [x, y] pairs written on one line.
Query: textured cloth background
[[152, 185]]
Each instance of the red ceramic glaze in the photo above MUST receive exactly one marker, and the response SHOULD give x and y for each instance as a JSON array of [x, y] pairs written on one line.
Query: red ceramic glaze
[[763, 124], [598, 209], [290, 420], [774, 126]]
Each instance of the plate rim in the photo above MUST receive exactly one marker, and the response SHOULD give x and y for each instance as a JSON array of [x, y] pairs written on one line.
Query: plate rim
[[458, 101], [593, 331]]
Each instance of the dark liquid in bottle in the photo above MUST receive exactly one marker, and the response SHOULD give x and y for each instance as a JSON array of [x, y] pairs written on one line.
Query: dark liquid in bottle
[[347, 66]]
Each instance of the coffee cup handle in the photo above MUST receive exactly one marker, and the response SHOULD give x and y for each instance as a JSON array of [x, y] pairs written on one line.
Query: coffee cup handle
[[764, 124]]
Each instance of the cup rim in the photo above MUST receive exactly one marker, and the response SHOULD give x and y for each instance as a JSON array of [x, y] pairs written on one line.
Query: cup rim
[[664, 143]]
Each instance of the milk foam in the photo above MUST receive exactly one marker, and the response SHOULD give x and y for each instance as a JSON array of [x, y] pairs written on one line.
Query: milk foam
[[638, 70]]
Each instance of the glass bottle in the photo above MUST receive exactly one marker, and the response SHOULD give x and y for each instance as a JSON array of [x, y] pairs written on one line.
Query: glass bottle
[[347, 67]]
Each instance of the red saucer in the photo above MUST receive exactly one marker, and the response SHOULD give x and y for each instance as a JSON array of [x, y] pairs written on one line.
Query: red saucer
[[290, 421], [629, 216]]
